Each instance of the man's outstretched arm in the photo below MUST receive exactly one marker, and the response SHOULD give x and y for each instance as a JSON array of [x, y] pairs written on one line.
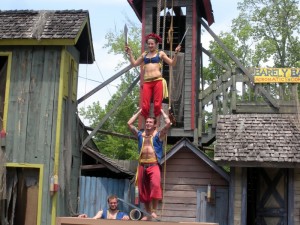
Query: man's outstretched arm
[[98, 215], [131, 121]]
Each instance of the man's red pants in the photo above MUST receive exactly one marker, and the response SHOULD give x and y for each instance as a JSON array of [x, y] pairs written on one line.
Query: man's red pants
[[149, 183], [152, 90]]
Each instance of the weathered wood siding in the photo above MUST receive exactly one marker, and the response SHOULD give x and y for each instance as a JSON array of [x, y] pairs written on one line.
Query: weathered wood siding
[[237, 196], [188, 90], [94, 192], [32, 115], [185, 172], [297, 196]]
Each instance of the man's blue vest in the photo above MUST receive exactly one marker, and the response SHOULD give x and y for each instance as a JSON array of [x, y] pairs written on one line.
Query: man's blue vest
[[118, 217], [157, 145]]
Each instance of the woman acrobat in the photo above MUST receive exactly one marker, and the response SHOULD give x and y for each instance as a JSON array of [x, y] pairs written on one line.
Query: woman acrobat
[[154, 86]]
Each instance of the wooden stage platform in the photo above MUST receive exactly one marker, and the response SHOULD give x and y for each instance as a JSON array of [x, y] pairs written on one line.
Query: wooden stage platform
[[88, 221]]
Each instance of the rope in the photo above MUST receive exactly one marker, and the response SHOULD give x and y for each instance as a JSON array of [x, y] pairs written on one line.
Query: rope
[[164, 177], [164, 26], [158, 16], [170, 40]]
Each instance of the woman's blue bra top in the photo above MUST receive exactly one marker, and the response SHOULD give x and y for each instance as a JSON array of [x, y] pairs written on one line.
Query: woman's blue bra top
[[155, 59]]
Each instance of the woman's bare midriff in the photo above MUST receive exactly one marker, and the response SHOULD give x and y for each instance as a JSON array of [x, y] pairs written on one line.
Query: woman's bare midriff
[[152, 70]]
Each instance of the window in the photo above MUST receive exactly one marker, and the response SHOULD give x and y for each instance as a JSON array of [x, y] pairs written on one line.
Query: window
[[3, 79]]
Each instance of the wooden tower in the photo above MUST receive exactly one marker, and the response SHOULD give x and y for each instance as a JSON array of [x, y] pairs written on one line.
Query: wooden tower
[[185, 81], [40, 140]]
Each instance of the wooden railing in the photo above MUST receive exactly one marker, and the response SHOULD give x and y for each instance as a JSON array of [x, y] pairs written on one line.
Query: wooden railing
[[234, 92]]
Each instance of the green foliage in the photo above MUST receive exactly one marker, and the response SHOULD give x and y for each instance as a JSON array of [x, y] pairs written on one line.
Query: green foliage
[[116, 42], [265, 32], [214, 70], [274, 30], [112, 146]]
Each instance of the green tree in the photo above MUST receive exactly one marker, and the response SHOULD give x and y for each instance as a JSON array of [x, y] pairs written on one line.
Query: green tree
[[214, 70], [265, 32], [273, 26], [112, 146]]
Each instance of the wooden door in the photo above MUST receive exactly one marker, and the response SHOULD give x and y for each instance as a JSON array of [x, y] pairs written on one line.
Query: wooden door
[[23, 190], [215, 211], [271, 198]]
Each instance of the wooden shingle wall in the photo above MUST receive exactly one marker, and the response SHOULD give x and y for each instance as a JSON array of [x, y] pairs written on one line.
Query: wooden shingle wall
[[185, 172]]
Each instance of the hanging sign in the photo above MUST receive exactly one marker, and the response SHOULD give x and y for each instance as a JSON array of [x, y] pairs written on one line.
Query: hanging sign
[[277, 75]]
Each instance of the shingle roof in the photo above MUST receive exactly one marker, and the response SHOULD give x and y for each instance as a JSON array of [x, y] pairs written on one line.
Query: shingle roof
[[262, 138], [107, 162], [41, 24], [50, 25]]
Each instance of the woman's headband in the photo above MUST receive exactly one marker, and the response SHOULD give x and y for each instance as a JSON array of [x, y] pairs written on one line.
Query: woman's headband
[[154, 36]]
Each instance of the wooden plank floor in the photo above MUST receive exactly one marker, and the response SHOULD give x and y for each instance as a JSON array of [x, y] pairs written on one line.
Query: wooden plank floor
[[87, 221]]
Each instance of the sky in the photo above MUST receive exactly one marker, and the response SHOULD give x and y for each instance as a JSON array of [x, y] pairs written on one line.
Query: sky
[[106, 16]]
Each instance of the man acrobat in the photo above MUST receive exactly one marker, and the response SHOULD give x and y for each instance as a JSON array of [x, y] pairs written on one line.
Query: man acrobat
[[150, 147]]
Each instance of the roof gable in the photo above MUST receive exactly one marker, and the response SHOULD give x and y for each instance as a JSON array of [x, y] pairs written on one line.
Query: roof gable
[[204, 6], [270, 139], [107, 162], [48, 27], [186, 143]]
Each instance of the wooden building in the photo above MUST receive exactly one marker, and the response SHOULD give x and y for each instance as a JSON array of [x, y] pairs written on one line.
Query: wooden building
[[187, 174], [39, 56], [186, 17], [262, 151], [101, 177]]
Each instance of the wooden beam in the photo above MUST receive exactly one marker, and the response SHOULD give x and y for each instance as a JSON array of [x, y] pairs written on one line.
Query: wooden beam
[[226, 76], [180, 132], [92, 167], [107, 115], [88, 221], [264, 93], [244, 197], [291, 196], [104, 84], [258, 164], [231, 202], [253, 107], [112, 133], [215, 59]]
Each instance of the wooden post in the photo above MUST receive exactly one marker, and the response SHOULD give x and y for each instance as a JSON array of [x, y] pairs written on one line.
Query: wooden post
[[233, 92], [225, 96], [201, 114], [215, 105]]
